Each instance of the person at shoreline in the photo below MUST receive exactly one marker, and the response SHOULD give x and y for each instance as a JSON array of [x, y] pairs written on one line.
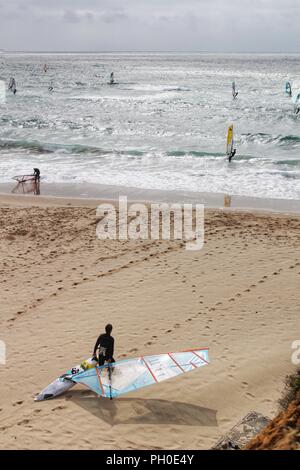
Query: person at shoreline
[[36, 174]]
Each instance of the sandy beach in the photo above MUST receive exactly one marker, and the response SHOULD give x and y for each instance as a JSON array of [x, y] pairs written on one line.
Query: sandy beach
[[60, 285]]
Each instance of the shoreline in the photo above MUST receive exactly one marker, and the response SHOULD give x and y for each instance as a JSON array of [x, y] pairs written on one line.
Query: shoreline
[[86, 194]]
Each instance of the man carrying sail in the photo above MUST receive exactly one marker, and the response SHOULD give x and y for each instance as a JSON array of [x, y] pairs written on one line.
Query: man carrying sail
[[36, 174], [105, 344]]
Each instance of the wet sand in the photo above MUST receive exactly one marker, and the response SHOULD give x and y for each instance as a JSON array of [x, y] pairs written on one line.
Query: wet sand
[[99, 192]]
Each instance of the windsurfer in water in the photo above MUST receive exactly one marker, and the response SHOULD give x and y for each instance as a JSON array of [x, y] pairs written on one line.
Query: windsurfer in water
[[288, 89], [234, 92], [112, 79], [12, 85], [232, 154], [105, 345]]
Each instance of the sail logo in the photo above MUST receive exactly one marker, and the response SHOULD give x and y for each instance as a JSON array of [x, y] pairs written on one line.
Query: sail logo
[[296, 353], [2, 353], [2, 92], [184, 222]]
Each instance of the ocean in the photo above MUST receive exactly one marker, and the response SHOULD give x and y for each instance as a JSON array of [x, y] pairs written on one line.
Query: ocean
[[163, 126]]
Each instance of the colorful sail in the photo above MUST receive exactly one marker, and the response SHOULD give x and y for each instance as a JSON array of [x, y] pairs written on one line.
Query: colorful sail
[[230, 141], [111, 381]]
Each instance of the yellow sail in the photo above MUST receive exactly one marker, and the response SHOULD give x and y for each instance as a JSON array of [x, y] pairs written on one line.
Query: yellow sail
[[229, 147]]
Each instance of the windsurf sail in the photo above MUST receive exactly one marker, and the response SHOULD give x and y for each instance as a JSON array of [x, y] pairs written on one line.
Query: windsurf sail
[[230, 142], [296, 97], [296, 101], [288, 89], [12, 85], [234, 92], [114, 380], [24, 178]]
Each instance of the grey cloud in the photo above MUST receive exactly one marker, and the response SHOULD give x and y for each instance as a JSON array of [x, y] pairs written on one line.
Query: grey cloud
[[113, 17], [71, 17], [212, 25]]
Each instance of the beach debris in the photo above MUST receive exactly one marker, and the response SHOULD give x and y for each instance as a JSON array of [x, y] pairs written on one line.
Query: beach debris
[[242, 433]]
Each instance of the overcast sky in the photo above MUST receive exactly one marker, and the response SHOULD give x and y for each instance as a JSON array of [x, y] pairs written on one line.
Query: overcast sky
[[150, 25]]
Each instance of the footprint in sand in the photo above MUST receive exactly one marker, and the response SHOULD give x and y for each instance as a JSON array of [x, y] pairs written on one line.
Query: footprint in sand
[[24, 421], [85, 393], [59, 408], [134, 350], [267, 400]]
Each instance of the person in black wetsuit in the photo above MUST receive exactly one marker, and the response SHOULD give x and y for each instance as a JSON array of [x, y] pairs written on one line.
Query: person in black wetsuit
[[37, 174], [232, 155], [105, 343]]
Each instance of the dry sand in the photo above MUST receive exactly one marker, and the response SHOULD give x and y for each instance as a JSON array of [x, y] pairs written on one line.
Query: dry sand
[[60, 285]]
